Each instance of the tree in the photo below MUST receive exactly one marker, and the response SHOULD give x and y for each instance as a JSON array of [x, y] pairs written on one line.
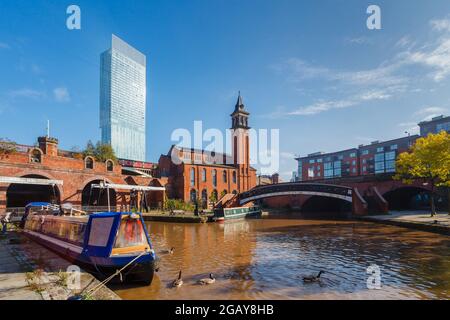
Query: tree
[[89, 150], [103, 152], [427, 160], [7, 147]]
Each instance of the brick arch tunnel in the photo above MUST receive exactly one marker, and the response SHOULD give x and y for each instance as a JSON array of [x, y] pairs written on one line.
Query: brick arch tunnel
[[408, 198], [19, 195], [320, 206], [97, 197]]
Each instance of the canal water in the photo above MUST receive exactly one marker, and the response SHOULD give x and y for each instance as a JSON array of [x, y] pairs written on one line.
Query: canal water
[[266, 259]]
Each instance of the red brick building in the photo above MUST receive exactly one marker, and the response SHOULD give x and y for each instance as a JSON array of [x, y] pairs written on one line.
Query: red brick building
[[206, 176], [70, 178]]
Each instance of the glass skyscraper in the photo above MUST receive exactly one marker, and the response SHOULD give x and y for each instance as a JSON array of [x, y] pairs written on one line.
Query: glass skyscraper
[[123, 100]]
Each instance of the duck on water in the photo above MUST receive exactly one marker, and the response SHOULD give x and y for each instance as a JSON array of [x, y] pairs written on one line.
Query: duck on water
[[100, 242]]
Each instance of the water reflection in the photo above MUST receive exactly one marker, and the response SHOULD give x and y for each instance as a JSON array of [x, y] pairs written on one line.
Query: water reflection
[[266, 259]]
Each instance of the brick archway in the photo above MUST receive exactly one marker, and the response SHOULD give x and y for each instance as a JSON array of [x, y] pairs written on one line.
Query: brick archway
[[19, 195]]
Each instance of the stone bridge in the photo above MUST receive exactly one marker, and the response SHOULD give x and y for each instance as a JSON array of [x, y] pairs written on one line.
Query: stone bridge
[[364, 194]]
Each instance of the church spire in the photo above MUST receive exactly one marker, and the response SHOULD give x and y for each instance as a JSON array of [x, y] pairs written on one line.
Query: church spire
[[239, 103], [240, 115]]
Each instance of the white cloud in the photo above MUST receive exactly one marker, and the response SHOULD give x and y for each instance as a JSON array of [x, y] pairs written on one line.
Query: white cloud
[[404, 42], [359, 40], [440, 24], [438, 59], [427, 113], [322, 106], [27, 93], [61, 94]]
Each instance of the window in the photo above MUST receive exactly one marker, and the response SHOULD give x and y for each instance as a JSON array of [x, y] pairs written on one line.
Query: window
[[319, 160], [35, 156], [89, 163], [214, 178], [192, 177], [353, 155], [310, 172], [394, 147], [365, 152], [354, 162], [364, 168], [109, 165], [224, 176], [234, 177], [328, 169], [204, 198], [340, 157], [328, 159], [364, 161], [312, 161], [380, 149], [390, 166], [390, 155], [443, 127], [204, 175], [193, 196], [379, 163]]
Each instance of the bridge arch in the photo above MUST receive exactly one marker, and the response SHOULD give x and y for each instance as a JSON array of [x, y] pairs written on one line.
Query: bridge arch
[[408, 198], [297, 188]]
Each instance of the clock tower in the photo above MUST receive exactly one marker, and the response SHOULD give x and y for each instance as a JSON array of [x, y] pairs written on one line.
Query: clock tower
[[241, 146]]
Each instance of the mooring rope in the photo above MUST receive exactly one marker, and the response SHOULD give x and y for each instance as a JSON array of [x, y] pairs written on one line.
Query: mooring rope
[[104, 282]]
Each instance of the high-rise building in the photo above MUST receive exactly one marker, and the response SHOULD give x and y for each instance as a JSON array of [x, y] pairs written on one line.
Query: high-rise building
[[123, 99]]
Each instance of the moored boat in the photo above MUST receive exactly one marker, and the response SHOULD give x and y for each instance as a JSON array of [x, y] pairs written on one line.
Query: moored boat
[[222, 214], [101, 243]]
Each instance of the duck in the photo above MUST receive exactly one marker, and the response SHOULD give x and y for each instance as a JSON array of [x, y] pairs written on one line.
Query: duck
[[209, 280], [313, 278], [178, 282], [170, 251]]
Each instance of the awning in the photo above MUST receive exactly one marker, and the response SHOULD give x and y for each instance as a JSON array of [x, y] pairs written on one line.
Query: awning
[[126, 187], [34, 181], [138, 171]]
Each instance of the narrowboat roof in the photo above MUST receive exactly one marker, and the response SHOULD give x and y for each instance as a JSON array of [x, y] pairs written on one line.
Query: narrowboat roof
[[38, 204]]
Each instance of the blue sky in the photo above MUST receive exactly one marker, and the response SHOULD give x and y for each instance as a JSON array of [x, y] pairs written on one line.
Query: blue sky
[[309, 68]]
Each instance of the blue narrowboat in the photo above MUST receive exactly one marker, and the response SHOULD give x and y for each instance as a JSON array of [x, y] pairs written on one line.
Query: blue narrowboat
[[101, 243]]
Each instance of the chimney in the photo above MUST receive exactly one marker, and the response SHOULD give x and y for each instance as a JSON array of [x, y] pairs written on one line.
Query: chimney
[[48, 145]]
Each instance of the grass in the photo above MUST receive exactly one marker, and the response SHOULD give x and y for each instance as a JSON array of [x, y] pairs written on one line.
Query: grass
[[62, 278]]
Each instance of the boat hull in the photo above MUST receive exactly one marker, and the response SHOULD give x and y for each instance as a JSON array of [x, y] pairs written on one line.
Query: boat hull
[[140, 270], [224, 214]]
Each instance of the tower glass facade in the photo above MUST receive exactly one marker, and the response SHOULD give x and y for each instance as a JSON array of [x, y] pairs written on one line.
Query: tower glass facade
[[123, 100]]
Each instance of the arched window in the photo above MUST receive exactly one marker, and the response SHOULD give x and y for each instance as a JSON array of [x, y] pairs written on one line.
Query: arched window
[[204, 175], [193, 195], [35, 156], [204, 198], [192, 177], [109, 165], [234, 177], [224, 176], [214, 177], [234, 192], [89, 163]]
